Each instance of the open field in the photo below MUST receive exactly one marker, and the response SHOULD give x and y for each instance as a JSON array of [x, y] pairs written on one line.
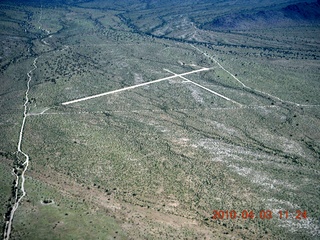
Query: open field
[[231, 122]]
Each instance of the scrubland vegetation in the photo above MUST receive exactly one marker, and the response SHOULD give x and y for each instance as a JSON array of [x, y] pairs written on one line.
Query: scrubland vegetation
[[154, 162]]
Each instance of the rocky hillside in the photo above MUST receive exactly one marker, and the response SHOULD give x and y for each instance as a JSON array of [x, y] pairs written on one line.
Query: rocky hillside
[[291, 15]]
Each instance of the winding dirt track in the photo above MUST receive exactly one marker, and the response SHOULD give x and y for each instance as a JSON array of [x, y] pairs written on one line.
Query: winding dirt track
[[20, 178]]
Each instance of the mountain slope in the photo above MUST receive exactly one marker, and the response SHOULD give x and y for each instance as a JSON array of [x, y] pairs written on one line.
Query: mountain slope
[[291, 15]]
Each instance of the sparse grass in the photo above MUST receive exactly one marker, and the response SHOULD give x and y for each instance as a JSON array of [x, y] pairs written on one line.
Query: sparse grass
[[167, 152], [5, 186], [67, 218]]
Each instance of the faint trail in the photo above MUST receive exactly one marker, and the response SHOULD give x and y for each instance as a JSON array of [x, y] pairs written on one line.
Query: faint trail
[[40, 18], [245, 86], [40, 24], [19, 167], [159, 110], [135, 86], [220, 65], [207, 89], [41, 113], [156, 110]]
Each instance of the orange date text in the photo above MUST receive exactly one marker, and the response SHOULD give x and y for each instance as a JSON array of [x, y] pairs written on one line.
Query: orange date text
[[262, 214]]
